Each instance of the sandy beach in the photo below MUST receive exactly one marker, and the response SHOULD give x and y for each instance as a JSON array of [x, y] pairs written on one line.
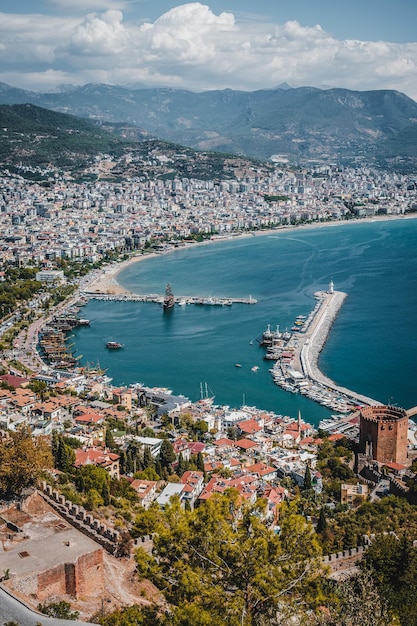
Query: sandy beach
[[105, 281]]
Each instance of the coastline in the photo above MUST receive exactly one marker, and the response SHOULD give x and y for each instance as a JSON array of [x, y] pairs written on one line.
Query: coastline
[[106, 282]]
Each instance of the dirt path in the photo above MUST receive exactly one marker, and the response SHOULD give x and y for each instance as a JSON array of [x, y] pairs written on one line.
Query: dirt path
[[122, 588]]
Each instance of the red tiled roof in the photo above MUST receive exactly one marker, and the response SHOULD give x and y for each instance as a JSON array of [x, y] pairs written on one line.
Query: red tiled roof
[[246, 444], [395, 466], [249, 426], [14, 381], [89, 418], [196, 447], [94, 456], [224, 442], [262, 469], [335, 437]]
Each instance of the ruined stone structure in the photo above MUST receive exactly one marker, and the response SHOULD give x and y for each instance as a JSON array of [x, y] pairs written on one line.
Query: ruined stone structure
[[83, 577], [48, 558], [383, 433]]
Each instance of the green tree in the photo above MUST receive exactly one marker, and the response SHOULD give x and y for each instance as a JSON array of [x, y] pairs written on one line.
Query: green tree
[[200, 427], [182, 466], [65, 456], [148, 460], [147, 474], [39, 387], [322, 521], [22, 460], [200, 462], [93, 500], [91, 477], [146, 521], [221, 559], [61, 610], [166, 454], [392, 562], [307, 478], [110, 443], [355, 602], [105, 493]]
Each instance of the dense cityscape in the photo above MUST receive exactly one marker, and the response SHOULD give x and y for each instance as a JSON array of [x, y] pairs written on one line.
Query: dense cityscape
[[64, 220], [119, 455]]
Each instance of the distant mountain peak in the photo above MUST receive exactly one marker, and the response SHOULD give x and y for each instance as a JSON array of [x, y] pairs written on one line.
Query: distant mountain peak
[[284, 86]]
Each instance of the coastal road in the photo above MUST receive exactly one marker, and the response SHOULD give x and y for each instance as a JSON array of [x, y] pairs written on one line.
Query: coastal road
[[13, 610]]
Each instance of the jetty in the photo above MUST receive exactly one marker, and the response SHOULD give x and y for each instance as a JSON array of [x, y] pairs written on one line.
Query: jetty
[[158, 299], [296, 355]]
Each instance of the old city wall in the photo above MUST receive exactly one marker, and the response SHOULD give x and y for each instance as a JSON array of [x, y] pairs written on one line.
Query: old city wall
[[78, 517]]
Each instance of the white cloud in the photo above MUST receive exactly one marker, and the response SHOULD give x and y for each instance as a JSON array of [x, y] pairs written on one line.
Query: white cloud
[[100, 35], [192, 47]]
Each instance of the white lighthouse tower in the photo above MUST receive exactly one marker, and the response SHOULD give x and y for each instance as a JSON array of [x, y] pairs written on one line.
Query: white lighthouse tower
[[331, 287]]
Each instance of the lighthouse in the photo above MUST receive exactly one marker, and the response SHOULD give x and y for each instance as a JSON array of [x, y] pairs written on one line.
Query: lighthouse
[[331, 287]]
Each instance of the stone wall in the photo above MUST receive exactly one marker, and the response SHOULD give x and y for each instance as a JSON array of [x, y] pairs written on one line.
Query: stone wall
[[82, 578], [78, 517]]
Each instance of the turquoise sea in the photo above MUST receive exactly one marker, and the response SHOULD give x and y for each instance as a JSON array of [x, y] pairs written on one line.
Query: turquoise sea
[[372, 346]]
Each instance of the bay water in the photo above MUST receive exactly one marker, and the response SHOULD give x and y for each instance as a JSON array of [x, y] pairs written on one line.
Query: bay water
[[371, 348]]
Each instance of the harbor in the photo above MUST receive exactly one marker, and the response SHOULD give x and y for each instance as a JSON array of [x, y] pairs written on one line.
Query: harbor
[[296, 355], [159, 299]]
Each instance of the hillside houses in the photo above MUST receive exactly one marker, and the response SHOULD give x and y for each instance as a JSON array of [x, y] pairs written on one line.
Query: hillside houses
[[264, 447]]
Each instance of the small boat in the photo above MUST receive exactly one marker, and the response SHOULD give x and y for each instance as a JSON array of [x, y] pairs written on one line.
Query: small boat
[[83, 322], [114, 345], [238, 365], [254, 368]]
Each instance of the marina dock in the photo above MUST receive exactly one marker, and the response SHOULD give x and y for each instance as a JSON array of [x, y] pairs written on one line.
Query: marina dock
[[296, 356], [158, 299]]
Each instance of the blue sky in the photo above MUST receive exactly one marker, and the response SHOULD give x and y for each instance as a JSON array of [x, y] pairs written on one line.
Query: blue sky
[[240, 44]]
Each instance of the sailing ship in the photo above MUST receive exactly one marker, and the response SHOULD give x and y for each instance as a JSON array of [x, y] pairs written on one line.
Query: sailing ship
[[169, 299]]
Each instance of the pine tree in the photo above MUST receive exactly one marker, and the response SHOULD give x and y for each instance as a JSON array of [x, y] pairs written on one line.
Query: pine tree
[[65, 456], [233, 568], [322, 521], [181, 465], [148, 460], [166, 454], [110, 443], [307, 478], [105, 493], [200, 462], [158, 467]]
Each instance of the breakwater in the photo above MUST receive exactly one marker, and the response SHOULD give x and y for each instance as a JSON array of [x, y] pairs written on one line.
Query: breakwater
[[297, 353]]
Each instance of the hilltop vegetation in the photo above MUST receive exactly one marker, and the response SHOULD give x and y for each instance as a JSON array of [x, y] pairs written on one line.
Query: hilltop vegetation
[[36, 136], [34, 139]]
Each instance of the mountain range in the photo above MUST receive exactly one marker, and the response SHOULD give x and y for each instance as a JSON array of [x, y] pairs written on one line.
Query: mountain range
[[299, 125]]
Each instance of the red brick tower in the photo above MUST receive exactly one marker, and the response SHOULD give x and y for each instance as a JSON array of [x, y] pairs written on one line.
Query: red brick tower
[[383, 433]]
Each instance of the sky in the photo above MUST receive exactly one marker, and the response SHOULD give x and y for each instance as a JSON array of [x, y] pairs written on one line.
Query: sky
[[236, 44]]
